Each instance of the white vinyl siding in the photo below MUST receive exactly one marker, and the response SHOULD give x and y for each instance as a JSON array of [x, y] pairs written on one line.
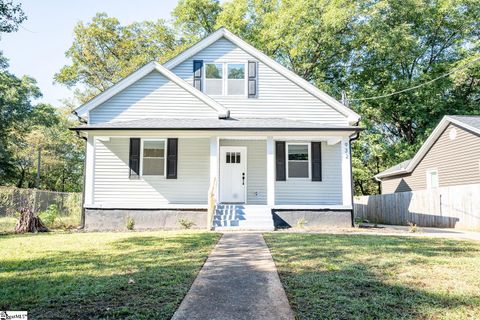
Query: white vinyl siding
[[277, 97], [256, 168], [153, 96], [307, 192], [112, 186]]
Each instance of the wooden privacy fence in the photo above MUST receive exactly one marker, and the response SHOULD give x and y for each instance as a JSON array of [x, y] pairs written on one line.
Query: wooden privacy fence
[[446, 207]]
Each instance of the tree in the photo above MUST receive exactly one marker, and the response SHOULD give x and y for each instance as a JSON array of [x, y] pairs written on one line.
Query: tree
[[11, 16], [403, 44], [196, 18], [16, 96], [104, 51], [60, 151]]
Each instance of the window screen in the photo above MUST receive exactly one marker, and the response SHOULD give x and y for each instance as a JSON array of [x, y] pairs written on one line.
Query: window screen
[[298, 161], [154, 157], [213, 78], [236, 79]]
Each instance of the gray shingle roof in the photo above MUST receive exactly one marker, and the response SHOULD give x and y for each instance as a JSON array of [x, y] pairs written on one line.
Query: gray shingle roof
[[213, 124], [396, 168], [472, 121]]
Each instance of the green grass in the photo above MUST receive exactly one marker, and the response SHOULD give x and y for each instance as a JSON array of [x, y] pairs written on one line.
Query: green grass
[[378, 277], [87, 275], [7, 224]]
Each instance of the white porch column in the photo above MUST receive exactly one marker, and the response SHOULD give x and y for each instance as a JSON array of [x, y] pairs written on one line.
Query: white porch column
[[214, 163], [346, 173], [89, 170], [270, 172]]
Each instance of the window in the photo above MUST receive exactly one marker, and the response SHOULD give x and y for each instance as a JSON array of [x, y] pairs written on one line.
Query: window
[[225, 79], [298, 160], [233, 157], [214, 78], [236, 79], [432, 179], [153, 157]]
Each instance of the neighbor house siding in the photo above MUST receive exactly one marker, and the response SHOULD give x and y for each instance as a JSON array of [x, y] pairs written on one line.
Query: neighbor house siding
[[457, 162], [278, 97], [307, 192], [256, 168], [112, 186], [153, 96]]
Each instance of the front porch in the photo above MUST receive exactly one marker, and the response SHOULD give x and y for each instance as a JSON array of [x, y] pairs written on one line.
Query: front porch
[[239, 168]]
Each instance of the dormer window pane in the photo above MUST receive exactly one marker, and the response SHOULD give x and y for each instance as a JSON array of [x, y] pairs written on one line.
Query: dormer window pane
[[213, 79], [236, 79]]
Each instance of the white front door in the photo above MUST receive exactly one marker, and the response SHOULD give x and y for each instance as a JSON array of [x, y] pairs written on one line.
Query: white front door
[[233, 174]]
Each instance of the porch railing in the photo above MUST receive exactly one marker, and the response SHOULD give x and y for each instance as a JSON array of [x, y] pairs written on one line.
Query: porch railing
[[211, 204]]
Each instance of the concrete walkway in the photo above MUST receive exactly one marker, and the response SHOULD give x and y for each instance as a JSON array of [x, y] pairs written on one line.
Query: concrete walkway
[[238, 281]]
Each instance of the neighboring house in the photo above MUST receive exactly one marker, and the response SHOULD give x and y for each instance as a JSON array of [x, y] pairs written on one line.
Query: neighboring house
[[450, 156], [219, 115]]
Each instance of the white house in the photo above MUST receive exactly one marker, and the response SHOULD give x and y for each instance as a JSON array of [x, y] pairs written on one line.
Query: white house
[[224, 117]]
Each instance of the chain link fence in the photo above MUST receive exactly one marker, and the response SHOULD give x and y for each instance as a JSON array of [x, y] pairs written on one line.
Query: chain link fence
[[13, 199]]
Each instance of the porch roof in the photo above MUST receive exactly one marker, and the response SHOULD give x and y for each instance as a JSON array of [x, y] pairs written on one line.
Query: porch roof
[[247, 124]]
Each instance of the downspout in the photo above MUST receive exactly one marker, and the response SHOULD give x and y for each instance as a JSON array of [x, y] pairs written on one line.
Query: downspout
[[352, 138]]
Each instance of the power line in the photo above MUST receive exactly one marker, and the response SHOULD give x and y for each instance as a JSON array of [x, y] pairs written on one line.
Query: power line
[[419, 85]]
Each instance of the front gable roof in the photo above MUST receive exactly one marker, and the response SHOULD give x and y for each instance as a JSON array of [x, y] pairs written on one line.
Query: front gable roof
[[139, 74], [469, 123], [307, 86]]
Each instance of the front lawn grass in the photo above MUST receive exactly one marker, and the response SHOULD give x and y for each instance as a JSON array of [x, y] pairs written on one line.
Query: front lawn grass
[[130, 275], [378, 277]]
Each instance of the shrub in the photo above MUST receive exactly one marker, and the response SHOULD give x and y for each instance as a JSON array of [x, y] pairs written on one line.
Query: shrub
[[412, 227], [186, 223], [301, 223], [130, 223], [50, 215]]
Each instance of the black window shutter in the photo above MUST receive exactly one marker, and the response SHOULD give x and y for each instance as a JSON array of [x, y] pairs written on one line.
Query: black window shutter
[[134, 158], [280, 160], [172, 158], [252, 79], [316, 161], [197, 74]]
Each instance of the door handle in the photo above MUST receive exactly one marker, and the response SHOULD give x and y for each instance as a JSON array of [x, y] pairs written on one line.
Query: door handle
[[243, 178]]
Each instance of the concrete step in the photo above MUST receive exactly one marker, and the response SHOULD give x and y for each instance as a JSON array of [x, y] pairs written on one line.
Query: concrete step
[[231, 217]]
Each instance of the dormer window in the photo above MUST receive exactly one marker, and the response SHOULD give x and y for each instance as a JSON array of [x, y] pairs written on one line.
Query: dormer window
[[236, 79], [225, 79], [214, 78]]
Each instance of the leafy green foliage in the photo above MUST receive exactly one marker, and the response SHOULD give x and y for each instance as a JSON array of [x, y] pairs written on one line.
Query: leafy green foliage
[[196, 18], [11, 16], [186, 223], [130, 223], [50, 215], [104, 51]]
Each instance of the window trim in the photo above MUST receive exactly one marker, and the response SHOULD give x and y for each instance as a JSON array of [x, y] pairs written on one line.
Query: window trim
[[225, 78], [429, 181], [288, 144], [142, 140]]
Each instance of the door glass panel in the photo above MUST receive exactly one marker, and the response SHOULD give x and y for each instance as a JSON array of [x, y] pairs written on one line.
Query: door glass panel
[[228, 157], [238, 157]]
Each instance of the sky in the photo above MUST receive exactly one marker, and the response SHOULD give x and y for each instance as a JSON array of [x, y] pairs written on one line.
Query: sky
[[38, 48]]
